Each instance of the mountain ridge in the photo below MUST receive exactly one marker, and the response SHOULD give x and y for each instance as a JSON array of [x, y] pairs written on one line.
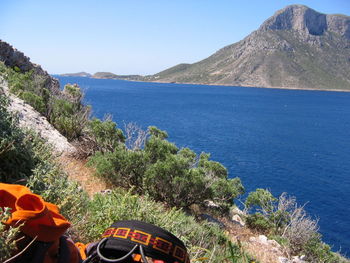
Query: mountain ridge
[[297, 48]]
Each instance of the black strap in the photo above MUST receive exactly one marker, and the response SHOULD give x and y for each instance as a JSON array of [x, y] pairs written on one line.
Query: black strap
[[124, 238]]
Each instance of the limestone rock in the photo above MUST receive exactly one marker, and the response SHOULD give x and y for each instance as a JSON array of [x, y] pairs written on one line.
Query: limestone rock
[[274, 243], [262, 239], [30, 118], [237, 219]]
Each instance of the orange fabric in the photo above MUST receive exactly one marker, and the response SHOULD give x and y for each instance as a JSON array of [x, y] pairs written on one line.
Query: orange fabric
[[82, 248], [137, 257], [40, 218]]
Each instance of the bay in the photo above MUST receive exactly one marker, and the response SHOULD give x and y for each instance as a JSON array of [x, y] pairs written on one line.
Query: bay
[[292, 141]]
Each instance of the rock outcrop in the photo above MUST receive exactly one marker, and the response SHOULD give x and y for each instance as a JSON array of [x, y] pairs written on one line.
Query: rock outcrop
[[14, 58], [308, 22], [296, 48], [31, 119]]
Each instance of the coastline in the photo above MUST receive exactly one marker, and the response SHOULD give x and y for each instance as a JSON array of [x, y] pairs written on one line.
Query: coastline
[[245, 86], [229, 85]]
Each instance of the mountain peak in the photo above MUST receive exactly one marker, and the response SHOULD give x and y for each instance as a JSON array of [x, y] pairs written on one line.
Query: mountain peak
[[297, 47], [297, 17], [306, 20]]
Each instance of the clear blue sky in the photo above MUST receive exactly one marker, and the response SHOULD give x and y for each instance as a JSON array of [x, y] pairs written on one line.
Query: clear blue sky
[[134, 37]]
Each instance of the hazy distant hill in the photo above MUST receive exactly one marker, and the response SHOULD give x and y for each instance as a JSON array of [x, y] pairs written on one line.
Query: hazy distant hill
[[78, 74], [296, 48], [109, 75]]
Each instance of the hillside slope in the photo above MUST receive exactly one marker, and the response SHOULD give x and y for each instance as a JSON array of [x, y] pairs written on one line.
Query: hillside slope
[[14, 58], [296, 48], [29, 118]]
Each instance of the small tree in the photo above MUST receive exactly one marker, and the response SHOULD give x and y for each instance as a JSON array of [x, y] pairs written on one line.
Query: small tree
[[282, 217], [68, 114], [261, 199], [105, 134]]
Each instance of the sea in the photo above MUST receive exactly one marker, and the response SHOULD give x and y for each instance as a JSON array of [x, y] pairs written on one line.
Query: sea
[[293, 141]]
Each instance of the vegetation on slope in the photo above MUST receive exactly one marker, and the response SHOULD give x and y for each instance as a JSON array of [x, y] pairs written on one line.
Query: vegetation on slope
[[64, 110], [91, 216], [154, 181]]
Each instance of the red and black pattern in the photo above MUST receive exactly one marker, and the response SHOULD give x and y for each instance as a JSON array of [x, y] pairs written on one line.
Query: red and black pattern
[[157, 242]]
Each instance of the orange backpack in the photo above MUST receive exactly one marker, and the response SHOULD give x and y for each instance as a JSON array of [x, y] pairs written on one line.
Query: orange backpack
[[42, 223]]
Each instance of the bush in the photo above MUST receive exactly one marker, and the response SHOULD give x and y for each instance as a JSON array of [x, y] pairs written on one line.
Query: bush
[[104, 134], [318, 252], [259, 222], [261, 198], [122, 167], [157, 148], [284, 219], [7, 236], [20, 81], [172, 181], [73, 93], [70, 118], [16, 154], [165, 173], [34, 100]]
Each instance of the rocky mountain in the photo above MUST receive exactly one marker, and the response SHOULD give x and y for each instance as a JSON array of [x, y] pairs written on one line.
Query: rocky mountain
[[295, 48]]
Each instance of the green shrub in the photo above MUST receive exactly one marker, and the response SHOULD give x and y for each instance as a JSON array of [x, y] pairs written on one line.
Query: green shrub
[[237, 254], [104, 164], [16, 154], [319, 252], [165, 173], [261, 198], [122, 167], [73, 93], [34, 100], [157, 148], [7, 236], [289, 223], [105, 134], [259, 222], [3, 69], [171, 181], [64, 110], [70, 118], [20, 81]]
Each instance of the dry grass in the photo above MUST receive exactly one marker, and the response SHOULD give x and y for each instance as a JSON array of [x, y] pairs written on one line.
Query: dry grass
[[263, 253], [78, 171]]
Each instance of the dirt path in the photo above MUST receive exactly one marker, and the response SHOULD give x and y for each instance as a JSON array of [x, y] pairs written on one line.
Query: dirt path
[[78, 171]]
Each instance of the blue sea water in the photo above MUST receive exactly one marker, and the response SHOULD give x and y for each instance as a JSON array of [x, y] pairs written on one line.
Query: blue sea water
[[290, 141]]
